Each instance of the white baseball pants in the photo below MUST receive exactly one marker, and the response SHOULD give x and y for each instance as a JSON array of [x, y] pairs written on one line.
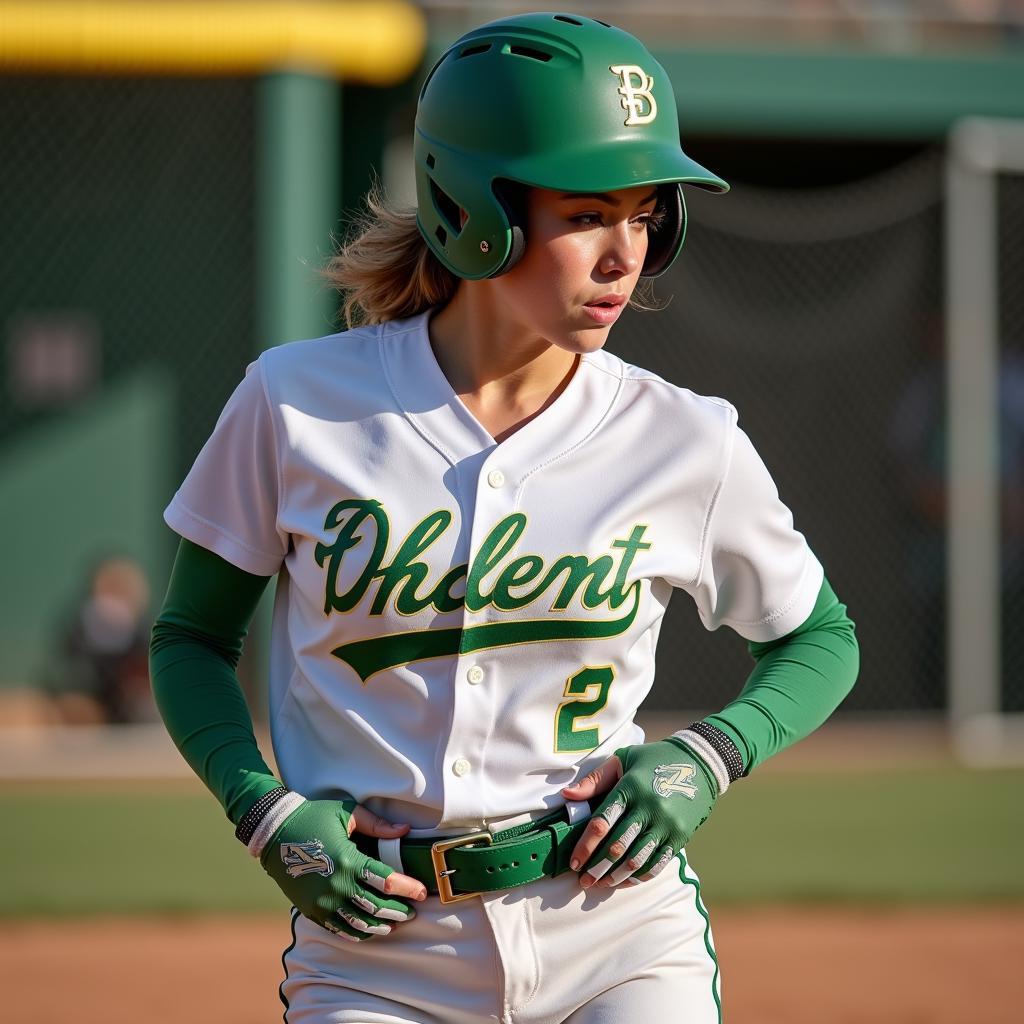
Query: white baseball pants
[[543, 953]]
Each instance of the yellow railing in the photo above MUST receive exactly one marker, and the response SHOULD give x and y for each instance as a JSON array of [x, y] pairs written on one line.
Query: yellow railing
[[377, 43]]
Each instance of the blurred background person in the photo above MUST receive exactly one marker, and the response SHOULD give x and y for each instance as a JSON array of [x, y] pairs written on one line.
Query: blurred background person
[[99, 672], [917, 438], [919, 441]]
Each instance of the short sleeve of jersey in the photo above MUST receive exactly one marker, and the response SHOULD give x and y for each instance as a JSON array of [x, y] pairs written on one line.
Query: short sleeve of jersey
[[228, 503], [757, 574]]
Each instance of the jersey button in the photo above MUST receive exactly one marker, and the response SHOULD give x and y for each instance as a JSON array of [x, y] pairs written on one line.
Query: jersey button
[[461, 767], [475, 675], [496, 478]]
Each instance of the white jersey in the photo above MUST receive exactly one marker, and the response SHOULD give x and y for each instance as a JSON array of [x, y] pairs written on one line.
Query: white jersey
[[461, 628]]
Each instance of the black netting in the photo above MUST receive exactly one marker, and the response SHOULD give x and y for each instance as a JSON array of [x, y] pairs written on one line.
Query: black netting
[[1011, 334], [126, 297], [818, 314], [126, 206]]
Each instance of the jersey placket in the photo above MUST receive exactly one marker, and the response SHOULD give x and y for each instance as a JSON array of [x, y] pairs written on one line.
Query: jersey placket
[[477, 672]]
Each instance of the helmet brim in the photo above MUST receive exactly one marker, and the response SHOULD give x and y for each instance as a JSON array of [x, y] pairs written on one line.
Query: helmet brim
[[593, 170]]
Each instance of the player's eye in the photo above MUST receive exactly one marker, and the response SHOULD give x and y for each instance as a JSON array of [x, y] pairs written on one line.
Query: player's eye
[[652, 221]]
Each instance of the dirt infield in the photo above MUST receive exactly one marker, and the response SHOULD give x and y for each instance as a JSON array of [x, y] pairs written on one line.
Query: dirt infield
[[779, 967]]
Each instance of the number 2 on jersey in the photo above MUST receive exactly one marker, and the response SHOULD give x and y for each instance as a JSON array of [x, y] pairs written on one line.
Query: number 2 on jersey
[[589, 691]]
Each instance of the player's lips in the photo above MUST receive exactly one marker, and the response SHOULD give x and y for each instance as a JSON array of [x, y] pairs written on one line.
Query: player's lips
[[606, 309]]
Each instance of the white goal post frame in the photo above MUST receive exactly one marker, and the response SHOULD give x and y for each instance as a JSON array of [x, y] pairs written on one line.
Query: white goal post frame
[[979, 150]]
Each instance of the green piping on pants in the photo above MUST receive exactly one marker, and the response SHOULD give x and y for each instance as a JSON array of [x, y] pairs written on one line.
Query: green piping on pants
[[687, 880]]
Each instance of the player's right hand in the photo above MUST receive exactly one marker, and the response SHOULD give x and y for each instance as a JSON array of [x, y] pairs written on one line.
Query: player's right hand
[[329, 880]]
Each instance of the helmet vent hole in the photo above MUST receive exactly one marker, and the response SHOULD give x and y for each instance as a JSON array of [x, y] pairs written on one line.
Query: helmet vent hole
[[568, 20], [471, 51], [528, 51], [447, 209], [430, 160], [441, 235], [600, 22]]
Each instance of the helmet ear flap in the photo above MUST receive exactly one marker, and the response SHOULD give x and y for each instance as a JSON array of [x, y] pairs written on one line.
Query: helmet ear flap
[[515, 252], [665, 243], [512, 197]]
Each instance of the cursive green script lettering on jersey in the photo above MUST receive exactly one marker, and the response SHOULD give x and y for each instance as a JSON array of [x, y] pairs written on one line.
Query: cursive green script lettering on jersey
[[493, 578]]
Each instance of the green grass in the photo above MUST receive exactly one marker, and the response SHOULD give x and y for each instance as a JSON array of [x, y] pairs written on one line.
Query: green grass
[[938, 836], [924, 836], [124, 852]]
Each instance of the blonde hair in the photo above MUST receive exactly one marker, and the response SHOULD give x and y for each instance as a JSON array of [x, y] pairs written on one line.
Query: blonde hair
[[386, 271]]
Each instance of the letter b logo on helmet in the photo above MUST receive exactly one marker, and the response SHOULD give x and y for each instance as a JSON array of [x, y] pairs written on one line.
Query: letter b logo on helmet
[[538, 100], [634, 95]]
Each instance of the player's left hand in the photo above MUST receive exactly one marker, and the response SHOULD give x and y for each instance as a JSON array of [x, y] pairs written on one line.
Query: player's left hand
[[660, 794]]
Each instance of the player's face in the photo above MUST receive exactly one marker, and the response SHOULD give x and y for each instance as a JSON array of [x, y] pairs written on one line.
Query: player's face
[[584, 253]]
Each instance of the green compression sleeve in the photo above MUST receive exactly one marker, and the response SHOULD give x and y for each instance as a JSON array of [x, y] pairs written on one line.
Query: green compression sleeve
[[196, 644], [799, 680]]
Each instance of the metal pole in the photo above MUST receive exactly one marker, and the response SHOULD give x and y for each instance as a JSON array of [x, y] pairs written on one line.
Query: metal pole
[[972, 363], [298, 185], [298, 189]]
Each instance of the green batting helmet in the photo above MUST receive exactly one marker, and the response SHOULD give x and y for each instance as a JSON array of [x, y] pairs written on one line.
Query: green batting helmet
[[556, 101]]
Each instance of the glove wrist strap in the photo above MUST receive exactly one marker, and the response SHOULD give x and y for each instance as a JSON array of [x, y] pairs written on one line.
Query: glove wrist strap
[[265, 817], [717, 750]]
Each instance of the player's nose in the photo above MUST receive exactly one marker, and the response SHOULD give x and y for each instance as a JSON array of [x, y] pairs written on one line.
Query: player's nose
[[624, 249]]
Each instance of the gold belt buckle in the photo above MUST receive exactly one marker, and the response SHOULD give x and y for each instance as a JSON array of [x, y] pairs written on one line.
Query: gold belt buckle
[[443, 873]]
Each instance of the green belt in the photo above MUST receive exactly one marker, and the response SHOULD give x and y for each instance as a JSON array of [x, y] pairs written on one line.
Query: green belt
[[460, 867]]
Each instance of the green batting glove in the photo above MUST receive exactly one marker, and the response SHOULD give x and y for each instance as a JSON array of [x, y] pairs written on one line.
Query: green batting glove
[[304, 846], [665, 794]]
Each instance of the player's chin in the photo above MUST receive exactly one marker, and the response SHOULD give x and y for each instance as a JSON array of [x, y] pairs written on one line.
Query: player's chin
[[583, 338]]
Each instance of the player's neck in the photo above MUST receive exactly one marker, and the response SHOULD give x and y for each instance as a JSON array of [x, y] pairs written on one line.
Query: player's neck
[[504, 376]]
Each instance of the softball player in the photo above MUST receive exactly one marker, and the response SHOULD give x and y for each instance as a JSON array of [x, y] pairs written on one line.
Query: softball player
[[476, 516]]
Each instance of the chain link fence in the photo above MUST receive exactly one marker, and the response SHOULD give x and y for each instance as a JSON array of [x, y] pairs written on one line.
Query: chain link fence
[[126, 305], [127, 206]]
